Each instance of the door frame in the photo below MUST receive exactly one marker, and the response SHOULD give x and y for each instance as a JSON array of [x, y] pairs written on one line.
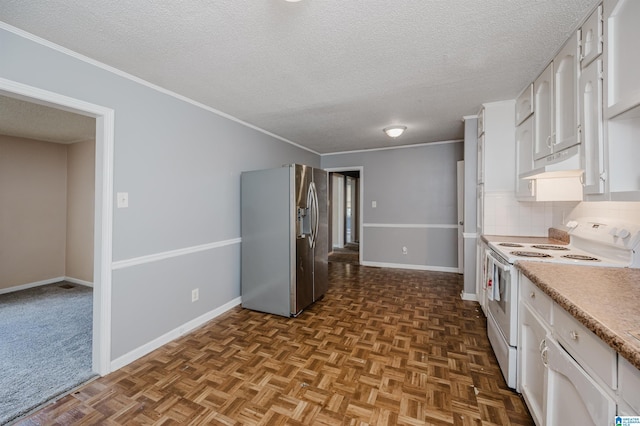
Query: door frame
[[103, 207], [460, 214], [360, 202]]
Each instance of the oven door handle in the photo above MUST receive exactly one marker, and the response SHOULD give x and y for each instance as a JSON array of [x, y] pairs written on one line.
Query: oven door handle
[[498, 263]]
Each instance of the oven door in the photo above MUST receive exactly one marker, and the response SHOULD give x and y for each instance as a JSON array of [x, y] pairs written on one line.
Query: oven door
[[504, 303]]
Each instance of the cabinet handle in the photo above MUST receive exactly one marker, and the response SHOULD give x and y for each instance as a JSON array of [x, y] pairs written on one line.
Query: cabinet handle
[[573, 334], [549, 141], [532, 295], [544, 354]]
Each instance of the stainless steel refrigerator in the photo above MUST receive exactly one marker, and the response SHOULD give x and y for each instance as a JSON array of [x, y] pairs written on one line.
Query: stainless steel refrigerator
[[284, 238]]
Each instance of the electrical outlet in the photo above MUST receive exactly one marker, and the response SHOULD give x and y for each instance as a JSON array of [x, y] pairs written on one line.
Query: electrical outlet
[[404, 250], [122, 200], [194, 295]]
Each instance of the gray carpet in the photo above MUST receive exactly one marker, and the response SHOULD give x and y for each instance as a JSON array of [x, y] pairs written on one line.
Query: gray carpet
[[45, 345]]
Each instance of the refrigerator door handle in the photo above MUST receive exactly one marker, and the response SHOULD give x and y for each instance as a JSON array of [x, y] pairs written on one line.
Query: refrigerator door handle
[[310, 209], [314, 219], [316, 214]]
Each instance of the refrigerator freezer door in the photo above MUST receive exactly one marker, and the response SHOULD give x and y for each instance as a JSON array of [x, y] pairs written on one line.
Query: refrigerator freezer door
[[267, 226]]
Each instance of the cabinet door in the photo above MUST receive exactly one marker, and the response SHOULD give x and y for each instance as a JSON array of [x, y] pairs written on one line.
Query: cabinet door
[[532, 371], [524, 158], [623, 68], [573, 398], [565, 85], [543, 117], [591, 41], [629, 381], [524, 104], [481, 158], [591, 105], [481, 284]]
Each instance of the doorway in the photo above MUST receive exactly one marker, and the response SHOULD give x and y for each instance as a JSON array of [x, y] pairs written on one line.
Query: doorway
[[345, 224], [103, 206]]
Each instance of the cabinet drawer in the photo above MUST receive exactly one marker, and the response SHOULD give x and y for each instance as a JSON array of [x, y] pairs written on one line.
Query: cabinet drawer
[[629, 384], [524, 104], [589, 350], [539, 302]]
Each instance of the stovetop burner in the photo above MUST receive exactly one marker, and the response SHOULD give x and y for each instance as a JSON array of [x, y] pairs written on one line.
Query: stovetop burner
[[581, 257], [510, 245], [529, 254], [548, 247]]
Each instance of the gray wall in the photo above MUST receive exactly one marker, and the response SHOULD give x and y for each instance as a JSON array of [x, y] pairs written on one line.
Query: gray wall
[[181, 166], [415, 192]]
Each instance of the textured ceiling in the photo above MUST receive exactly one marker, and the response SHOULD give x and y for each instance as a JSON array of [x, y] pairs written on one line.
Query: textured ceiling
[[33, 121], [328, 75]]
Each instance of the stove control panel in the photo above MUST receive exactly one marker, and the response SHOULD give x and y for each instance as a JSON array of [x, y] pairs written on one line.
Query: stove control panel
[[602, 231]]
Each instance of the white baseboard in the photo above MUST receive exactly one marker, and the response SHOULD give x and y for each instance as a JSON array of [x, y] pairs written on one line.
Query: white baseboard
[[79, 281], [31, 285], [416, 267], [469, 296], [171, 335]]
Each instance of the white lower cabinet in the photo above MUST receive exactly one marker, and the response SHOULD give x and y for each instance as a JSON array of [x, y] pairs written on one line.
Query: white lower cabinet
[[481, 276], [629, 388], [573, 397], [557, 389], [532, 371]]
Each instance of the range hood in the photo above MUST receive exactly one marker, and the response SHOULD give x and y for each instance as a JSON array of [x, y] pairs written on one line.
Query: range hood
[[557, 177], [563, 164]]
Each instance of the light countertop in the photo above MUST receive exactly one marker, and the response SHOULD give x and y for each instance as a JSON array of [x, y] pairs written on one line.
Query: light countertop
[[605, 300]]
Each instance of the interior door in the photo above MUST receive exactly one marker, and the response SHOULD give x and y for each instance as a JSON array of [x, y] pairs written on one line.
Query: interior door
[[460, 217], [337, 209]]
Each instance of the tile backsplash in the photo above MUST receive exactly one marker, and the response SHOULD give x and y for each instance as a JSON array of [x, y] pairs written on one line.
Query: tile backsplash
[[625, 211], [505, 215]]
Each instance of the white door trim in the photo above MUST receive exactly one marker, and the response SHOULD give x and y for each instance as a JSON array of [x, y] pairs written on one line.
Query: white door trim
[[103, 221], [360, 202]]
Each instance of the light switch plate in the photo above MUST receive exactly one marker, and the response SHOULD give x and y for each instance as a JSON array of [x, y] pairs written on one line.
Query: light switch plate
[[123, 200], [374, 204]]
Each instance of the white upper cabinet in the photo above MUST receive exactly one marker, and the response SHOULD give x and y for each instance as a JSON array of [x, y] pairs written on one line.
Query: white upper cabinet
[[543, 117], [524, 159], [591, 105], [554, 97], [623, 67], [591, 41], [524, 104], [498, 146], [622, 98], [565, 84]]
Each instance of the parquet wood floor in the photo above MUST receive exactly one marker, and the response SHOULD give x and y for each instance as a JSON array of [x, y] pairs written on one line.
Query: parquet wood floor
[[384, 347]]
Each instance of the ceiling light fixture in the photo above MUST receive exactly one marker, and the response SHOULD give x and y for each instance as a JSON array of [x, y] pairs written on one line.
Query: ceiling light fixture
[[394, 131]]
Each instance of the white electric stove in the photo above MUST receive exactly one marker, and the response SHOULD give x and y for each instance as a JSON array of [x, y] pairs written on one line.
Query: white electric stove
[[593, 242]]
